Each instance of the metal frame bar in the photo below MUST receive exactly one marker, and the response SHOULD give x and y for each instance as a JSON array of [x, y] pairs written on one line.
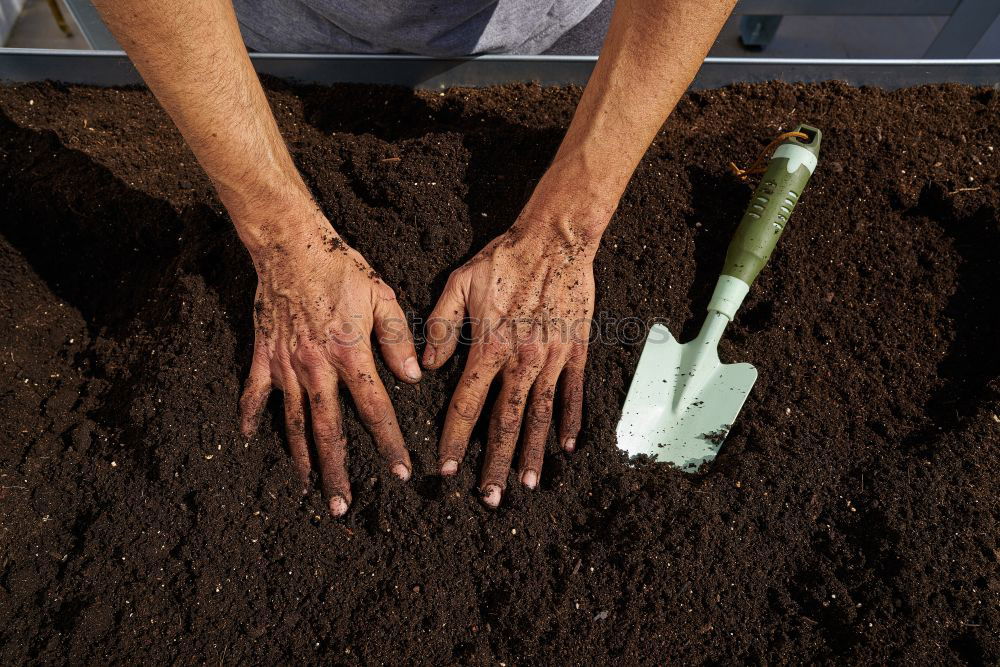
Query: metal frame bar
[[91, 26], [848, 7], [10, 10], [963, 31], [968, 20], [110, 68]]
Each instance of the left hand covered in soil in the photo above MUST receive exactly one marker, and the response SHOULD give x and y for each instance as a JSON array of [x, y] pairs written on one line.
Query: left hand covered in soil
[[529, 296], [317, 303]]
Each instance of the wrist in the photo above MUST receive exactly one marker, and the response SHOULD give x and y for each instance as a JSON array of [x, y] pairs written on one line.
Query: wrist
[[557, 228], [568, 207], [281, 227]]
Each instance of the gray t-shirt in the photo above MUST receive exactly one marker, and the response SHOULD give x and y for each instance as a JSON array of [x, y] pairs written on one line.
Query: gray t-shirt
[[426, 27]]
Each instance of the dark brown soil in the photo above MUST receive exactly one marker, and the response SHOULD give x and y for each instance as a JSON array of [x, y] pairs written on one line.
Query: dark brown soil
[[852, 516]]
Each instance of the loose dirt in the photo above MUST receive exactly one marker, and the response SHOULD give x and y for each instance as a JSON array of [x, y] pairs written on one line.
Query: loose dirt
[[852, 515]]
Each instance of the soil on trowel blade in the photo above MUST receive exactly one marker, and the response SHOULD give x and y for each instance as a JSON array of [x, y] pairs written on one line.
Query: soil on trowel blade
[[851, 516]]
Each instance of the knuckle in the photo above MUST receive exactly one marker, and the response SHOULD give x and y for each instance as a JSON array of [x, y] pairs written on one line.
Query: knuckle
[[529, 354], [309, 355], [330, 436], [282, 356], [338, 351], [495, 348], [466, 407], [508, 424], [348, 334], [561, 350], [363, 381], [540, 412], [348, 356], [376, 412], [261, 353], [385, 292]]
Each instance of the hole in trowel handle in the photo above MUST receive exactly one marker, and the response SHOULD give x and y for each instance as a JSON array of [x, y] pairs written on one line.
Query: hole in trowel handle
[[810, 134]]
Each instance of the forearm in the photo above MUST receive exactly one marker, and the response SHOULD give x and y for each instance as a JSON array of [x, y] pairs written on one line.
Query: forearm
[[652, 52], [191, 55]]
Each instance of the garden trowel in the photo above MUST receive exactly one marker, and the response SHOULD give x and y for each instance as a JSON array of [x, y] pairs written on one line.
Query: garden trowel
[[683, 400]]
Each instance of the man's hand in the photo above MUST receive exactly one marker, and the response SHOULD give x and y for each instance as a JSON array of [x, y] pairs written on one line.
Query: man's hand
[[530, 293], [317, 300], [529, 296], [317, 303]]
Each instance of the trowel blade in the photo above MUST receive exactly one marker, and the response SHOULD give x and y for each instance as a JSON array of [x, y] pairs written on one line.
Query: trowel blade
[[682, 401]]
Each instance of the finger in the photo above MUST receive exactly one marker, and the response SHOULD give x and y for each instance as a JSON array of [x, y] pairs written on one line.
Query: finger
[[484, 362], [537, 424], [571, 391], [331, 445], [375, 409], [505, 429], [394, 337], [445, 324], [295, 428], [255, 392]]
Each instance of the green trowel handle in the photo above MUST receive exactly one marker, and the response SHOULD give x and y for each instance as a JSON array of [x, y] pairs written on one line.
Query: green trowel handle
[[774, 199]]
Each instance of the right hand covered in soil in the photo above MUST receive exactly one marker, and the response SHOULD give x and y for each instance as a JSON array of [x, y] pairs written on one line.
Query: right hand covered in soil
[[530, 296], [316, 305]]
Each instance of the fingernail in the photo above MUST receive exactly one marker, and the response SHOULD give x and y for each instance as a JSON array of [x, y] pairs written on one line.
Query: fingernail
[[529, 478], [429, 356], [491, 495], [412, 368], [338, 506], [449, 467], [569, 444], [401, 471]]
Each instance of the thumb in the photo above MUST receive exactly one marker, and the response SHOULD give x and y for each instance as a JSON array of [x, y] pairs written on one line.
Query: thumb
[[394, 337], [445, 324]]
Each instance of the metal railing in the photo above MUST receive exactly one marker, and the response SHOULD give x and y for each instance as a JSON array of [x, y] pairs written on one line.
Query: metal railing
[[968, 20], [109, 68]]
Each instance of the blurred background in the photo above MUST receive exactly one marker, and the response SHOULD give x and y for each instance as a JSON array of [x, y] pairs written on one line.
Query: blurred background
[[758, 28]]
